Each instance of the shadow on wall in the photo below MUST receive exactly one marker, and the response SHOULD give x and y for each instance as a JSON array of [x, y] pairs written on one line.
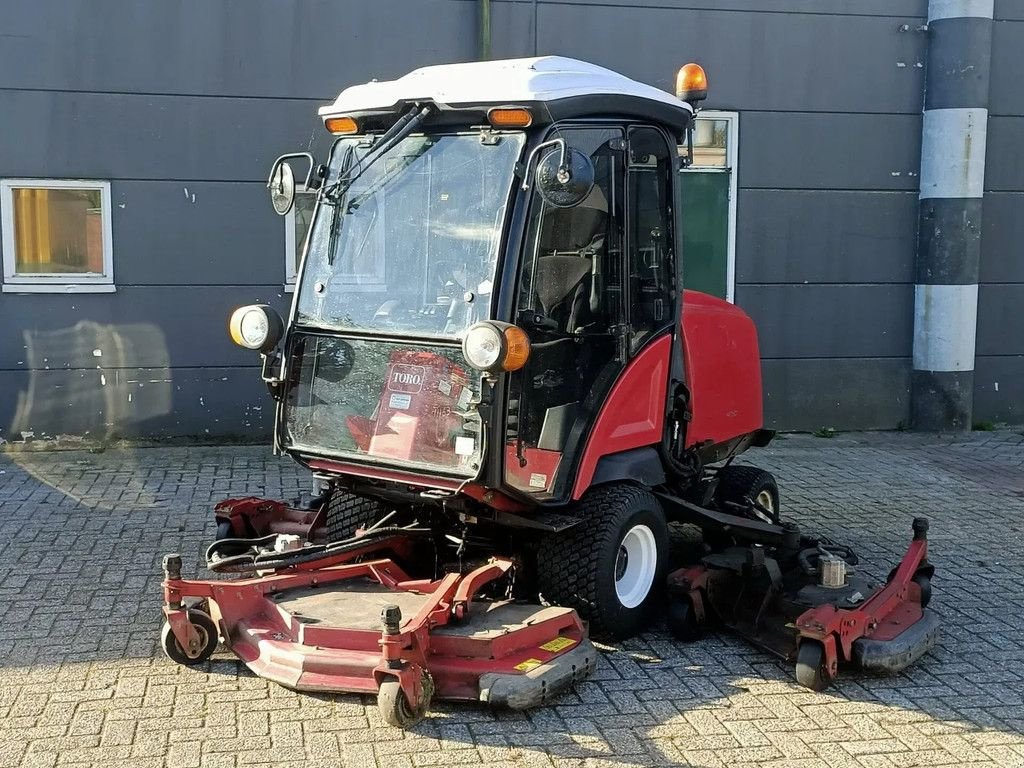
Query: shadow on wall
[[86, 381]]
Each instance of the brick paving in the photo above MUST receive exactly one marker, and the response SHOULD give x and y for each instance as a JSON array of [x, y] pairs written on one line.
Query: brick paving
[[83, 682]]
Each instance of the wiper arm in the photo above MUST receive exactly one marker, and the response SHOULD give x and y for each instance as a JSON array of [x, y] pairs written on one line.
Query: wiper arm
[[404, 126]]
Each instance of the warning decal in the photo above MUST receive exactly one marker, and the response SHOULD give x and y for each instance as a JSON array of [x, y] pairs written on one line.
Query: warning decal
[[558, 644], [529, 664]]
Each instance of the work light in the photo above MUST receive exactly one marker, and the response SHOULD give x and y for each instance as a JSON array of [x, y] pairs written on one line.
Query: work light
[[256, 326], [491, 347]]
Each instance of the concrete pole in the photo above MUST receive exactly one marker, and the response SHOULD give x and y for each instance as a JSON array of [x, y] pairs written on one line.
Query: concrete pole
[[953, 138]]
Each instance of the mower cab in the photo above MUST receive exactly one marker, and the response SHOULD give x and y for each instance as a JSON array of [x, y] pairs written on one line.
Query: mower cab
[[493, 371]]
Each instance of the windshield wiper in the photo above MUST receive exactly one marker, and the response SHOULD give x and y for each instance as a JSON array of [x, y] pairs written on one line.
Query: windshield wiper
[[402, 128]]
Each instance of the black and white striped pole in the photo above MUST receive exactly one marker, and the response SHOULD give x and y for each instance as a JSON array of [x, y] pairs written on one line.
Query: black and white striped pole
[[953, 138]]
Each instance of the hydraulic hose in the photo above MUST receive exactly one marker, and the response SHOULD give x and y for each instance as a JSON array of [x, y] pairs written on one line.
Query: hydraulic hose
[[252, 559]]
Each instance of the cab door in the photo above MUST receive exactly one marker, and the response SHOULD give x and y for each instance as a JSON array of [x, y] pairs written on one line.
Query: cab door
[[571, 300]]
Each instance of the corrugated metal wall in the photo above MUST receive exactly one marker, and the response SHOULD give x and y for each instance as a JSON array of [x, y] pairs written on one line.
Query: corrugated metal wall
[[183, 104]]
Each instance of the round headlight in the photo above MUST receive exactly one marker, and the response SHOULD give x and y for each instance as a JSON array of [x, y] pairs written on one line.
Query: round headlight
[[256, 326], [493, 346], [483, 347]]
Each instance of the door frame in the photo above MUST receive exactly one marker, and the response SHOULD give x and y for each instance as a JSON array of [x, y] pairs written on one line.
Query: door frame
[[731, 159]]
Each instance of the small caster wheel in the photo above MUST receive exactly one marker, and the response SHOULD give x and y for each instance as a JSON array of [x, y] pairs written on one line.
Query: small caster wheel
[[811, 669], [395, 707], [923, 581], [925, 585], [206, 644], [682, 620]]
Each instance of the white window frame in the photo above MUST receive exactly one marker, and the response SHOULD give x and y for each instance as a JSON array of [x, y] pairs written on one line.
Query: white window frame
[[731, 166], [52, 282], [290, 272]]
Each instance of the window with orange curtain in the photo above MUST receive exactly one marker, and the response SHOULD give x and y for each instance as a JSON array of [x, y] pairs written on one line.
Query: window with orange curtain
[[55, 231]]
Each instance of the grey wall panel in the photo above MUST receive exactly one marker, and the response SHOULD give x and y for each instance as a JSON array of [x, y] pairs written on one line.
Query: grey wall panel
[[1009, 9], [143, 327], [999, 389], [1000, 319], [830, 320], [1006, 97], [781, 150], [512, 30], [282, 48], [151, 137], [825, 237], [917, 8], [769, 61], [807, 395], [1004, 165], [1002, 238], [148, 403], [198, 233]]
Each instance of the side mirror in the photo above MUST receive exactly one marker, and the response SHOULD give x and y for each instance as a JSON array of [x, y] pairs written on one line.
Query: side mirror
[[256, 326], [564, 178], [282, 180]]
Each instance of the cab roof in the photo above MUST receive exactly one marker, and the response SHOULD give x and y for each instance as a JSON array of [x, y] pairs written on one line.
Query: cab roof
[[556, 87]]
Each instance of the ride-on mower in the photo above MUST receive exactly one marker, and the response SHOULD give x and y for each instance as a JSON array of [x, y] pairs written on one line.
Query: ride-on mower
[[506, 398]]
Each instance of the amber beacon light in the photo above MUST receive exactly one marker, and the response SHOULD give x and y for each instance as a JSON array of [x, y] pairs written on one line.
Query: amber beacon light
[[691, 83]]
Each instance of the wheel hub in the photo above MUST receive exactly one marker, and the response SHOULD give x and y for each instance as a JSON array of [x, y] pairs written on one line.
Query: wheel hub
[[635, 566]]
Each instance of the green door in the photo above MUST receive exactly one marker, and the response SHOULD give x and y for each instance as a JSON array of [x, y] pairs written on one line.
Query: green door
[[706, 221]]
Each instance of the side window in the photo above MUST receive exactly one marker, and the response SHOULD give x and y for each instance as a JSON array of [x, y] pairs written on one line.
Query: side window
[[650, 248], [56, 236], [572, 274], [297, 224]]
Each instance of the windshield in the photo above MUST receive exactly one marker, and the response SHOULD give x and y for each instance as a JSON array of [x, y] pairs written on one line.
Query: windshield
[[411, 245]]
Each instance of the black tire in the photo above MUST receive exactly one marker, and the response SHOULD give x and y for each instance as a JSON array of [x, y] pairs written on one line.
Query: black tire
[[811, 671], [923, 581], [208, 639], [925, 584], [395, 707], [737, 484], [346, 513], [682, 620], [578, 568]]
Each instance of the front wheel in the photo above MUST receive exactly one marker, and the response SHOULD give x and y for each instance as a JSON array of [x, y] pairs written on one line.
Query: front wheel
[[611, 567]]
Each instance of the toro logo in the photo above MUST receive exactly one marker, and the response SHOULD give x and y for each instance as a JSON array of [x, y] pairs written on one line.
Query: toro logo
[[406, 378]]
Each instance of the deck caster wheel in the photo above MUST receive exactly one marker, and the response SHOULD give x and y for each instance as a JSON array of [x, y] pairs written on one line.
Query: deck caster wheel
[[395, 707], [811, 669], [682, 620], [205, 645], [925, 585], [923, 581]]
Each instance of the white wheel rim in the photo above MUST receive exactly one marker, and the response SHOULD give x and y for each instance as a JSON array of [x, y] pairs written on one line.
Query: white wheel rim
[[635, 566], [766, 500]]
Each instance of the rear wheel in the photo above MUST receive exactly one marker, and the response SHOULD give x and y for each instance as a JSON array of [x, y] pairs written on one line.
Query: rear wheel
[[738, 484], [611, 568], [346, 513]]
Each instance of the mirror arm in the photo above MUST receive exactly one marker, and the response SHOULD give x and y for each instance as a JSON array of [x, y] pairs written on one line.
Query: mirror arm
[[533, 153], [289, 156]]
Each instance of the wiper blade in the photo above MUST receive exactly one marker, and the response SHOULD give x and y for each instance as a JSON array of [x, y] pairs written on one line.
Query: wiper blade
[[404, 126]]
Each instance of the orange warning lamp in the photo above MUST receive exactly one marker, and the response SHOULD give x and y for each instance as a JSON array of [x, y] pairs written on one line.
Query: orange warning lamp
[[692, 83]]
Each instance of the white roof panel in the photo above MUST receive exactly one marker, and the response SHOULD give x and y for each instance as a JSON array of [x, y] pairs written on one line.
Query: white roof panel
[[507, 81]]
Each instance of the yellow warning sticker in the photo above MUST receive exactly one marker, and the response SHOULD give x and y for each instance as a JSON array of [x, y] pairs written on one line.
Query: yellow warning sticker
[[558, 644], [529, 664]]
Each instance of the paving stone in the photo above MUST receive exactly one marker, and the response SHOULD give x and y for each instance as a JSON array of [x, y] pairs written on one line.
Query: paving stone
[[84, 683]]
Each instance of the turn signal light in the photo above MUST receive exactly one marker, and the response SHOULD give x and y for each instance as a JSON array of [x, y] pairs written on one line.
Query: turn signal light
[[517, 348], [340, 125], [691, 83], [503, 117]]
